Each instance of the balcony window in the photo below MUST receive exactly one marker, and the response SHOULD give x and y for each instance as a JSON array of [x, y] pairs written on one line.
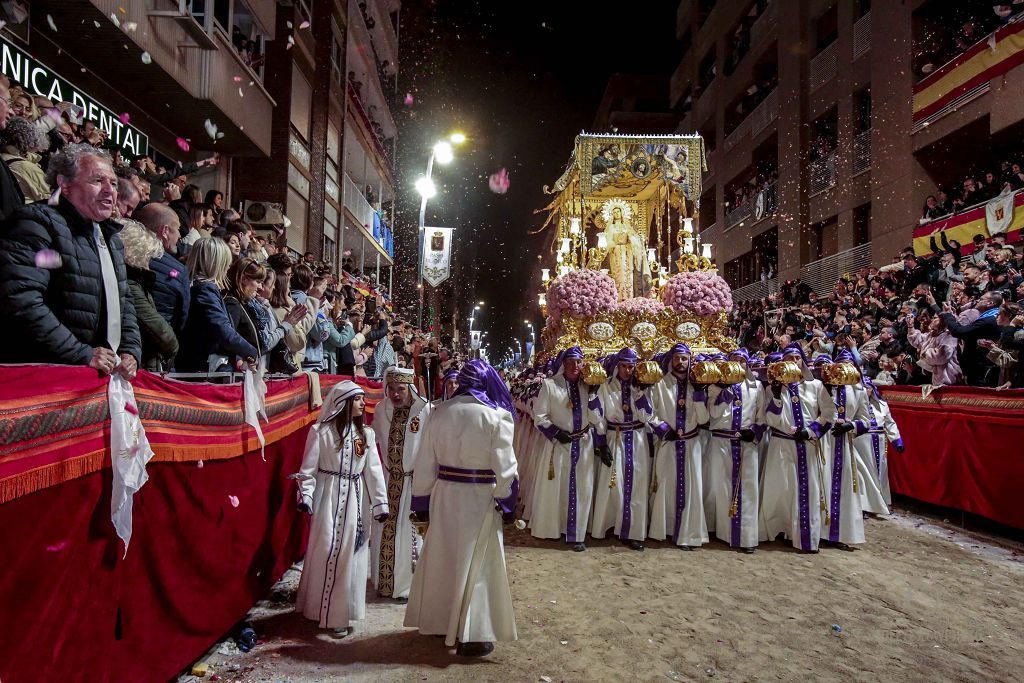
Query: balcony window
[[248, 39]]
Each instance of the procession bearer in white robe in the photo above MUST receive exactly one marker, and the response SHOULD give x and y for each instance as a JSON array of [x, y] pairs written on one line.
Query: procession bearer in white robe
[[680, 406], [466, 477], [340, 457], [844, 522], [872, 448], [623, 419], [737, 424], [564, 488], [398, 425], [792, 494]]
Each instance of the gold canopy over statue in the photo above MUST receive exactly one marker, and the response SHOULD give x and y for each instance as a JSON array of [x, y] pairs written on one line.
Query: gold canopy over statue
[[623, 222]]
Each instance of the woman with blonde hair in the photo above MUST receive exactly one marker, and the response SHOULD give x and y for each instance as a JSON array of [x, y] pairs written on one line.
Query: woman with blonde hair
[[159, 344], [210, 343]]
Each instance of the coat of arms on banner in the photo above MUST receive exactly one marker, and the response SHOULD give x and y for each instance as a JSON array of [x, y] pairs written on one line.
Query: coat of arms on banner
[[436, 255]]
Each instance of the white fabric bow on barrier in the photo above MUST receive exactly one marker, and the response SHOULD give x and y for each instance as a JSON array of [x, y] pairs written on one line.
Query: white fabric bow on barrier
[[254, 393], [129, 454]]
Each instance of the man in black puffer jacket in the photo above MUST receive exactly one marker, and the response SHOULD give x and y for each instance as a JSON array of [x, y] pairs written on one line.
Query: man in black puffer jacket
[[63, 287]]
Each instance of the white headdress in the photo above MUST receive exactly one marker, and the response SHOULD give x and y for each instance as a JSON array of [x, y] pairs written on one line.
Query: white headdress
[[340, 395]]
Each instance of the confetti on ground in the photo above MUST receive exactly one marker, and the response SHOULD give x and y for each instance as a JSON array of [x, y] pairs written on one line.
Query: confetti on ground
[[233, 500]]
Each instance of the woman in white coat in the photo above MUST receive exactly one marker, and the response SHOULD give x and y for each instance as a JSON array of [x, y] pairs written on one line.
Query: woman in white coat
[[341, 456]]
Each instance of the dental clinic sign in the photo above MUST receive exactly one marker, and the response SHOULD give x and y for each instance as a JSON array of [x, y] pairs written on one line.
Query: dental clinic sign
[[38, 79]]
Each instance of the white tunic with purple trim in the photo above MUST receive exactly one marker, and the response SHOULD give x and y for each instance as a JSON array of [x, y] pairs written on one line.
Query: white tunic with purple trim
[[332, 590], [624, 415], [563, 489], [735, 494], [460, 588], [845, 520], [792, 494], [677, 508], [872, 448]]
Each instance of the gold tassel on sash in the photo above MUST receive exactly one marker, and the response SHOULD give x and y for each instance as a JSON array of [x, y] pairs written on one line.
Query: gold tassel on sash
[[611, 482], [853, 461], [822, 466], [551, 465]]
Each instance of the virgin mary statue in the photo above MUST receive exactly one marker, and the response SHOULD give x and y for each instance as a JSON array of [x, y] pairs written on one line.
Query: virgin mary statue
[[626, 256]]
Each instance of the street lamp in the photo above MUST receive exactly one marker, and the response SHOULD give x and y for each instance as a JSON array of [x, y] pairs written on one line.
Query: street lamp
[[443, 153]]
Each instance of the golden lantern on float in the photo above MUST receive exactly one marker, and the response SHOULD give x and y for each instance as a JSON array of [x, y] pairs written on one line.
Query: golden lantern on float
[[648, 372], [731, 371], [706, 372], [840, 374], [785, 372], [594, 374]]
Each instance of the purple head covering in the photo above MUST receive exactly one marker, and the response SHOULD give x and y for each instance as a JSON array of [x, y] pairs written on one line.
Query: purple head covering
[[872, 387], [453, 373], [743, 354], [772, 358], [611, 363], [479, 380], [557, 363], [846, 357], [795, 349], [665, 359], [823, 360]]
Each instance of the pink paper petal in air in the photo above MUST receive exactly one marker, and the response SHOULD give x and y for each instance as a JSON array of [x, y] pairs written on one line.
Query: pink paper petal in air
[[48, 259], [233, 500], [125, 118], [304, 24], [57, 547], [498, 182], [182, 144], [131, 409], [199, 464], [408, 99], [173, 273], [237, 79]]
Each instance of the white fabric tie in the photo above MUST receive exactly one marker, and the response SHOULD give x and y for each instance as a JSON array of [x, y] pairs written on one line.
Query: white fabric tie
[[110, 291]]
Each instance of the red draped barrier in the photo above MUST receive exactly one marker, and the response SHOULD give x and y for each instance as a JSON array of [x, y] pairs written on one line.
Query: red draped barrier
[[71, 609], [965, 449]]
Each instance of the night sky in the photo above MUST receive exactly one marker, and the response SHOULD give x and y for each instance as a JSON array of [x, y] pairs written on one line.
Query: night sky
[[521, 79]]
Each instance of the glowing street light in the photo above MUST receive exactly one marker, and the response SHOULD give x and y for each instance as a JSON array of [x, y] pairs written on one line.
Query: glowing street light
[[443, 153], [457, 138], [425, 186]]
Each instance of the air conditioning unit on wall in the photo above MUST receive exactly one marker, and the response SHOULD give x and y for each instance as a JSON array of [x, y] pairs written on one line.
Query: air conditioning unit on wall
[[263, 213]]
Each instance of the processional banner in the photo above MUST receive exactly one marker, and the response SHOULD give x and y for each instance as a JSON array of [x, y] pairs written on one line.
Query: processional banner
[[436, 257]]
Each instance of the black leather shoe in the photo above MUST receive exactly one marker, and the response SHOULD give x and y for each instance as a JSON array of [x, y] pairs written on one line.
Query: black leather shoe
[[474, 649], [579, 547], [748, 551], [401, 601], [636, 545], [686, 547]]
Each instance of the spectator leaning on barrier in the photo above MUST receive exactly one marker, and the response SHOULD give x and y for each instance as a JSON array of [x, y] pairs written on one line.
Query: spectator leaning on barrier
[[159, 343], [63, 287], [11, 196], [978, 369]]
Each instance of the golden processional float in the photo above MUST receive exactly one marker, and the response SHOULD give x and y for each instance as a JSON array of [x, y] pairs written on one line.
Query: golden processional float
[[629, 267]]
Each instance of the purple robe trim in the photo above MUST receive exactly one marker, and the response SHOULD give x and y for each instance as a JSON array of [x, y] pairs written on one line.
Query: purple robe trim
[[644, 404], [736, 447], [627, 465], [819, 429], [774, 407], [549, 432], [803, 485], [420, 504], [680, 461], [661, 430], [837, 471], [574, 454]]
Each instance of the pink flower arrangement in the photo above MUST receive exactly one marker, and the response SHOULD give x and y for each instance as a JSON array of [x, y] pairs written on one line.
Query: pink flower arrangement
[[642, 306], [700, 293], [581, 293]]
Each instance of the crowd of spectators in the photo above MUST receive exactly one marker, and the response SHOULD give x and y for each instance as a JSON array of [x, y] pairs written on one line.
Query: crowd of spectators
[[976, 188], [958, 29], [748, 191], [95, 271], [953, 317]]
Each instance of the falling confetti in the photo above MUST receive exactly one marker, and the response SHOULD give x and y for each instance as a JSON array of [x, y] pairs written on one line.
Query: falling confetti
[[57, 547], [240, 93], [237, 79], [130, 26], [124, 118], [304, 24], [131, 409], [233, 500], [95, 23], [146, 58], [291, 43], [199, 464], [211, 130], [182, 144], [49, 20], [499, 182], [48, 259], [408, 99], [113, 18]]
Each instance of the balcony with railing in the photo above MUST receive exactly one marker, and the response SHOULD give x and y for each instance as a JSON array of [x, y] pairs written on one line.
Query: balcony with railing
[[756, 290], [823, 66], [760, 206], [862, 153], [763, 28], [373, 227], [822, 174], [823, 274], [764, 114], [862, 36]]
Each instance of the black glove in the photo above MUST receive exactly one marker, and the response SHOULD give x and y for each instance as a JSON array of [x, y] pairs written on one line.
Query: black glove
[[671, 435], [776, 390], [305, 508], [842, 428], [592, 388], [382, 517], [604, 455], [747, 435], [699, 387], [562, 436], [899, 447], [506, 517], [423, 516], [801, 435]]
